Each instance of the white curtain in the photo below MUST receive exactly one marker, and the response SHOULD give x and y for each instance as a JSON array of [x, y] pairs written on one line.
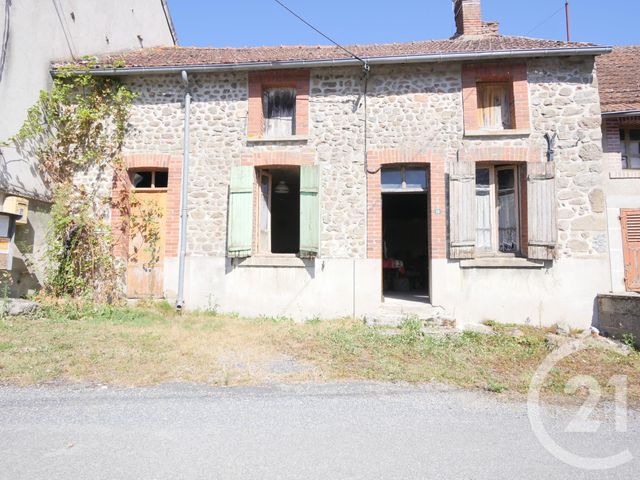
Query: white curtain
[[507, 222], [483, 210]]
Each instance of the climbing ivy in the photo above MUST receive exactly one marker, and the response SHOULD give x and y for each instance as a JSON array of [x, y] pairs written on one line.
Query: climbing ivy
[[76, 132]]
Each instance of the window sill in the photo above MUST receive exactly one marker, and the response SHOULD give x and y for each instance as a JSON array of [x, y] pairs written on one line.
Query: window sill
[[523, 132], [626, 173], [292, 138], [501, 262], [286, 261]]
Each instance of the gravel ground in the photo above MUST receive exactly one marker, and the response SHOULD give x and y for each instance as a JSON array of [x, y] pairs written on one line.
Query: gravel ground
[[307, 431]]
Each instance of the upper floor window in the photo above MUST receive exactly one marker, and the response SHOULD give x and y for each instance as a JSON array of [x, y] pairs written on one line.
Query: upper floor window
[[278, 105], [630, 147], [495, 106], [495, 99], [279, 110]]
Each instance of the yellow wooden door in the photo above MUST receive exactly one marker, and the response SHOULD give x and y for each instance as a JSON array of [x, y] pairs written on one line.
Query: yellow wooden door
[[146, 246]]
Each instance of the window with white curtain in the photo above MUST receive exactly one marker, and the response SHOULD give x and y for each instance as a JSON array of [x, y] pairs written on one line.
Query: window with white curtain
[[497, 209], [279, 110], [630, 144], [495, 106]]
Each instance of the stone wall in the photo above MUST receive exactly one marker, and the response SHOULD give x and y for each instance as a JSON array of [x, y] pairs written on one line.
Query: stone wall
[[411, 107]]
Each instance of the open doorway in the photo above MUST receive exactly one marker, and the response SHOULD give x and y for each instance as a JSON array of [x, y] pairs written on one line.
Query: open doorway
[[405, 220], [279, 210]]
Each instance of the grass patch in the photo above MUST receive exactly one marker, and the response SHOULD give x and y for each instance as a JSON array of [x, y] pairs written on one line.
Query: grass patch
[[151, 343]]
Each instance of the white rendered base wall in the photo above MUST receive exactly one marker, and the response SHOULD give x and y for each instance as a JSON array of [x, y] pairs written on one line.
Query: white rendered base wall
[[335, 288]]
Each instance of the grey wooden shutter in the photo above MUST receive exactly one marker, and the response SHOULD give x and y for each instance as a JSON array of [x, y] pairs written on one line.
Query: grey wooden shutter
[[462, 209], [541, 210]]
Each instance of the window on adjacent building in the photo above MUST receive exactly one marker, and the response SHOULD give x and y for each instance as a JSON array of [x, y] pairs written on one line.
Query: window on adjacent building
[[149, 179], [497, 209], [630, 147], [495, 106], [279, 111]]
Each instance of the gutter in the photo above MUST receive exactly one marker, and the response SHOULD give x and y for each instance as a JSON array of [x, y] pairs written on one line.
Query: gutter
[[388, 60], [623, 114]]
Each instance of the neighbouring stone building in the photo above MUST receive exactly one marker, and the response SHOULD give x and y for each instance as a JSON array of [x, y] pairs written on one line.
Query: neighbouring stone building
[[32, 35], [619, 74], [461, 178]]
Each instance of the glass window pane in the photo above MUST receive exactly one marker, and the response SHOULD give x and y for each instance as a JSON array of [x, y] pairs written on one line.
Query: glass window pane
[[416, 178], [506, 179], [634, 135], [622, 136], [634, 148], [634, 162], [162, 179], [507, 222], [391, 178], [279, 107], [141, 180], [482, 178], [483, 209]]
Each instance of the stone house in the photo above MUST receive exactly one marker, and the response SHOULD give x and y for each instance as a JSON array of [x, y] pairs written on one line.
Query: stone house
[[460, 178], [619, 74]]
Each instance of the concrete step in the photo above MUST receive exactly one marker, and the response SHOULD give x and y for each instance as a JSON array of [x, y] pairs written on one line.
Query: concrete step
[[394, 314]]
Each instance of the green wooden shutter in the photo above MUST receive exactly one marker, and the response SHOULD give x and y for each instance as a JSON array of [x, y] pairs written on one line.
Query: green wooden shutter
[[309, 211], [240, 227]]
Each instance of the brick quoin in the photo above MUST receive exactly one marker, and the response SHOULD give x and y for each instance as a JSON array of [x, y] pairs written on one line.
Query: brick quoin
[[260, 81], [121, 183], [435, 161], [516, 74]]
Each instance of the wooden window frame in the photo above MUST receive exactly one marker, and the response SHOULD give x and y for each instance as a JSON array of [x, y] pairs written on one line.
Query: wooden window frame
[[494, 168], [153, 172], [508, 87], [515, 75], [626, 144], [259, 82], [259, 246]]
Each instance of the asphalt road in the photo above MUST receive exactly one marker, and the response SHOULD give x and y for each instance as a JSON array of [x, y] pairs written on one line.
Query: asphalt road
[[331, 431]]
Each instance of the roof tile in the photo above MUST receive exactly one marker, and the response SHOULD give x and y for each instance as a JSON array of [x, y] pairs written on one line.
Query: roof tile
[[619, 80], [187, 56]]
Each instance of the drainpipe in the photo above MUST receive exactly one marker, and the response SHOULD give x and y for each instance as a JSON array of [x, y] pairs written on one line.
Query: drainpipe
[[184, 190]]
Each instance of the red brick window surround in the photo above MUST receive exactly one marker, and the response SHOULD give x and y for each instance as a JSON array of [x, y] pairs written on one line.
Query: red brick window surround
[[435, 161], [259, 82], [122, 182], [482, 82]]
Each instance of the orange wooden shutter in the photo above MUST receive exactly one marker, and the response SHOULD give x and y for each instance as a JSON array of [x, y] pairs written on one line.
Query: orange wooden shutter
[[631, 246]]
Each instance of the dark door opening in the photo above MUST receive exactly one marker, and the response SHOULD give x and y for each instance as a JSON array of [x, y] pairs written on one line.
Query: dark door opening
[[405, 246], [279, 210]]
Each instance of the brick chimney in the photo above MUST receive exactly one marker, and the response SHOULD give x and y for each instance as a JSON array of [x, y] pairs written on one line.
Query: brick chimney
[[468, 17]]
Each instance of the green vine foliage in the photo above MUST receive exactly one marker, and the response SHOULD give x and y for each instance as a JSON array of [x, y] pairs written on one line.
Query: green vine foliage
[[75, 129]]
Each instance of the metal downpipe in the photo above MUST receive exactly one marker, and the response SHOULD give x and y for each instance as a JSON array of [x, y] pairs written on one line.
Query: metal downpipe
[[184, 187]]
